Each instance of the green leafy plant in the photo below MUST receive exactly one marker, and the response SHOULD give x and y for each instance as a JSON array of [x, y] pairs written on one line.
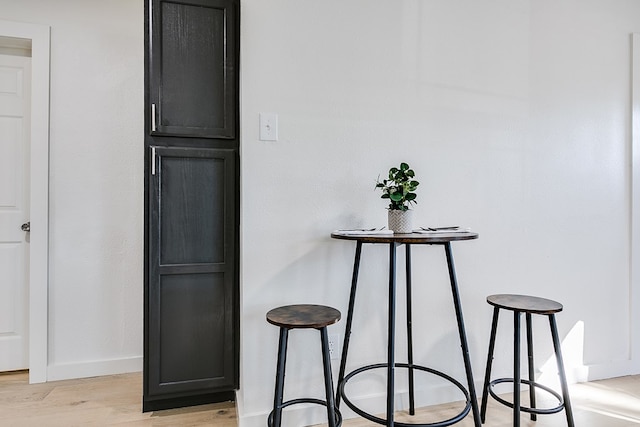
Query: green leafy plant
[[399, 188]]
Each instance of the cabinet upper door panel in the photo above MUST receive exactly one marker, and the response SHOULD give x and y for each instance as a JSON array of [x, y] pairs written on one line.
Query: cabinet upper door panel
[[192, 73]]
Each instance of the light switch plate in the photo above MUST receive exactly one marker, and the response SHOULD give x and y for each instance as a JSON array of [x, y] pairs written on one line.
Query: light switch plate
[[268, 127]]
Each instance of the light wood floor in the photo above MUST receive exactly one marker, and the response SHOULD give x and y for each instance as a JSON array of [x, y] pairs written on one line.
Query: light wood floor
[[117, 400], [609, 403], [99, 401]]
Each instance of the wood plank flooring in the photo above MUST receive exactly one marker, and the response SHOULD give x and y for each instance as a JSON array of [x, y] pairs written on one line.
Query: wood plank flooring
[[99, 401], [117, 400], [608, 403]]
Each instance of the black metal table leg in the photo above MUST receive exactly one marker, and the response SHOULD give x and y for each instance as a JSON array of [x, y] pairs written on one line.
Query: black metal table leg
[[347, 332], [412, 406], [391, 336], [463, 335], [516, 369]]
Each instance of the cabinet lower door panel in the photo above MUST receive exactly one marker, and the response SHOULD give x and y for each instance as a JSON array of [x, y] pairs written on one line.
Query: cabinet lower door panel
[[191, 316], [192, 302]]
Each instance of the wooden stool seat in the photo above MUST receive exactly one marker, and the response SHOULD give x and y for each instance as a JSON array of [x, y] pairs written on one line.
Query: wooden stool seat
[[303, 316], [525, 303]]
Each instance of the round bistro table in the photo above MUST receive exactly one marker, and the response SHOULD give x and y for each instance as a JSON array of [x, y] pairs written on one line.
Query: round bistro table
[[394, 240]]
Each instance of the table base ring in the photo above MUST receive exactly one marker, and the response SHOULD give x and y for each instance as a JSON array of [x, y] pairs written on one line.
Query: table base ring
[[383, 421]]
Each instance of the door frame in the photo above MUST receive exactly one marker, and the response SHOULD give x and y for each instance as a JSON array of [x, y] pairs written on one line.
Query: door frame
[[634, 291], [39, 35]]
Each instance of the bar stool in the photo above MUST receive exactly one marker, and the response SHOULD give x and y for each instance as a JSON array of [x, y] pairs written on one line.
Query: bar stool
[[303, 316], [529, 305]]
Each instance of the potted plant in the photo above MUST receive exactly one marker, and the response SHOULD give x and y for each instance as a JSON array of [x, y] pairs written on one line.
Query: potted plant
[[399, 189]]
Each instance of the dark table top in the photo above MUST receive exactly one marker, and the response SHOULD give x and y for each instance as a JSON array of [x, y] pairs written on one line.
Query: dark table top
[[411, 238]]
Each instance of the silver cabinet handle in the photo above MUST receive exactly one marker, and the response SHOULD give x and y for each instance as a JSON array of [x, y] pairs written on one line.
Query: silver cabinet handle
[[153, 117], [153, 160], [26, 226]]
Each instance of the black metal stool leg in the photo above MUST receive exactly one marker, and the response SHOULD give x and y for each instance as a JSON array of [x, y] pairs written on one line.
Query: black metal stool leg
[[328, 380], [282, 360], [347, 332], [532, 391], [412, 406], [487, 372], [561, 373], [516, 369]]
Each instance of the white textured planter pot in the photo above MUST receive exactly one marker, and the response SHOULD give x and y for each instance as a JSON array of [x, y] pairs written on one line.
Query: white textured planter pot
[[400, 221]]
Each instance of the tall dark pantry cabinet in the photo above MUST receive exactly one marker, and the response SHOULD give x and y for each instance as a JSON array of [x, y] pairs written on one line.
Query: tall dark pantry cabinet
[[191, 323]]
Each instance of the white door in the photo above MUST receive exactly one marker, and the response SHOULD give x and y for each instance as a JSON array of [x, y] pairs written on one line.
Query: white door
[[15, 77]]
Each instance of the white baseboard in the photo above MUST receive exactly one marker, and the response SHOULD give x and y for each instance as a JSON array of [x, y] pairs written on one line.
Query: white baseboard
[[613, 369], [94, 368]]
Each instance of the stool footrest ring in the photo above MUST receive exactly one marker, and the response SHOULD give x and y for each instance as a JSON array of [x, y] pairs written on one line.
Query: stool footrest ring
[[541, 411], [338, 415], [382, 421]]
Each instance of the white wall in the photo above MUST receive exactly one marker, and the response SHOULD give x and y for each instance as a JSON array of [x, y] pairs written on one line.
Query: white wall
[[516, 117], [96, 182]]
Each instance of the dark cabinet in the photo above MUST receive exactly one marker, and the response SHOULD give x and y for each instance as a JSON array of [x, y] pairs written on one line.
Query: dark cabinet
[[191, 323]]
